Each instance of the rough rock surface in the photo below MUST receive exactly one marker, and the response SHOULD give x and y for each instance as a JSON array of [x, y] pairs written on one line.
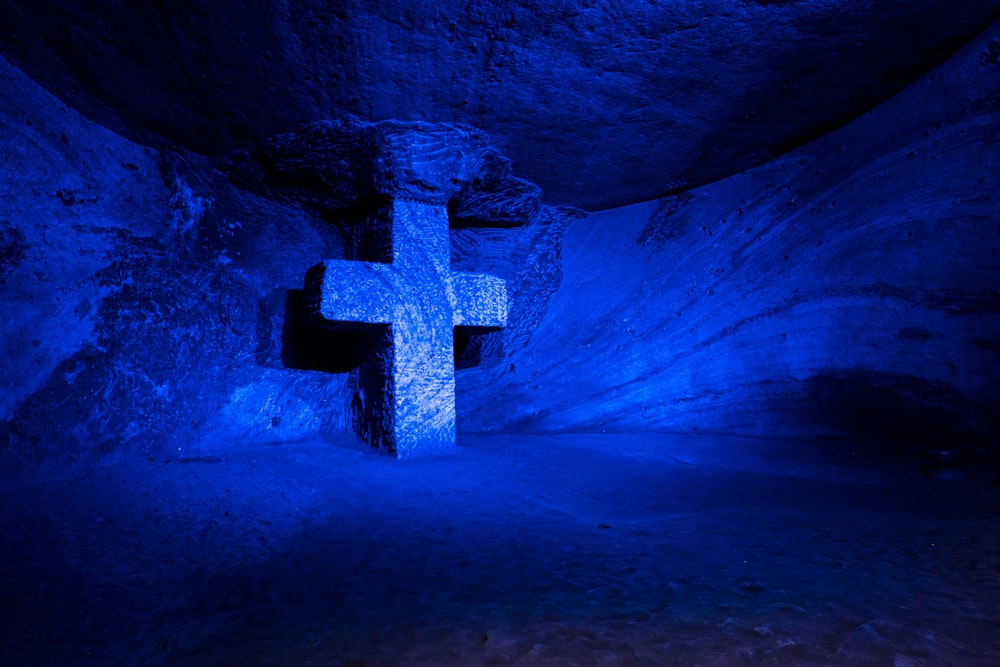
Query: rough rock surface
[[601, 103], [339, 165], [152, 309], [144, 298], [848, 288], [646, 549]]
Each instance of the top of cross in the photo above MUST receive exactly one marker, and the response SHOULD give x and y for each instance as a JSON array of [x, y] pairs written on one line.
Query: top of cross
[[336, 165]]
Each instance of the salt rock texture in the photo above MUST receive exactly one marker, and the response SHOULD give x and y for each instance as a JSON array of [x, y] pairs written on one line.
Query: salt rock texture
[[396, 283], [152, 309], [153, 302], [337, 165], [143, 297], [403, 400], [601, 103], [849, 288]]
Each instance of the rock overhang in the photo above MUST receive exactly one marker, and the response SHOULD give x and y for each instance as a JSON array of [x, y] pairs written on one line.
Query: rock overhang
[[601, 103], [347, 164]]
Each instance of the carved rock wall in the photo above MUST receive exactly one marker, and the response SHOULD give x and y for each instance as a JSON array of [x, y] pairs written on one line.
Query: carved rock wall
[[145, 299], [601, 103], [153, 309], [849, 288]]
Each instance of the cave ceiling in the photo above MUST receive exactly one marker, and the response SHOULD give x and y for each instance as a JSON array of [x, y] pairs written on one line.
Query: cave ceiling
[[600, 102]]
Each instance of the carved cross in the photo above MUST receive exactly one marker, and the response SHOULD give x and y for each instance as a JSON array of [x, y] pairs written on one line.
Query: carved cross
[[404, 391]]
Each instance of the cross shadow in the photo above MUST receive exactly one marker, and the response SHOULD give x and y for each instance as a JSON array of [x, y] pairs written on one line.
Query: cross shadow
[[305, 346], [476, 346]]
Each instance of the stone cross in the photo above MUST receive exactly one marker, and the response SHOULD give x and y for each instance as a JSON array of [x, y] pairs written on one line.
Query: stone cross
[[404, 391]]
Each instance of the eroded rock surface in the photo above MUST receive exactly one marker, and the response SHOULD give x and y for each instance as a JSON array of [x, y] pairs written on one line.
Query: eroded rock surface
[[846, 289], [153, 309], [335, 165], [601, 103], [144, 299]]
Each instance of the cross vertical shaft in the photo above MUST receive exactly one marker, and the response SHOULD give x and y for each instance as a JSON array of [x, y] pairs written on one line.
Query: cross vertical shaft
[[404, 391]]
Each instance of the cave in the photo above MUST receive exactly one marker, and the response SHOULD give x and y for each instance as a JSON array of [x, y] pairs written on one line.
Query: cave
[[708, 294]]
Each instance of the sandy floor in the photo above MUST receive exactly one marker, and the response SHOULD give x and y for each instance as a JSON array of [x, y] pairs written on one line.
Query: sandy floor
[[519, 550]]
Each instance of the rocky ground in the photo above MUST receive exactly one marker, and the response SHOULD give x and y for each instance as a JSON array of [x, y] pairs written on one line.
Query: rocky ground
[[521, 550]]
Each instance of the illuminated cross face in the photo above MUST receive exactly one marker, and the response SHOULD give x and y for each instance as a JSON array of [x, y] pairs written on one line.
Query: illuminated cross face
[[404, 402]]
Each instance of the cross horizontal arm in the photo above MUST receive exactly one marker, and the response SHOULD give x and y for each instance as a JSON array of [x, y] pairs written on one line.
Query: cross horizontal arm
[[353, 292], [480, 300]]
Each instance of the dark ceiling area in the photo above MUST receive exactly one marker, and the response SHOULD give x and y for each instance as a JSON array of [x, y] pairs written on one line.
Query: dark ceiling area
[[601, 103]]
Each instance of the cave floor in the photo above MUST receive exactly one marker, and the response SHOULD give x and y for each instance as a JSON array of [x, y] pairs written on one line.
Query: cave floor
[[521, 550]]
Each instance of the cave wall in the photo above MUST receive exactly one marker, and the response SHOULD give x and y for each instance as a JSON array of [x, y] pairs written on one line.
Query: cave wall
[[601, 103], [153, 309], [144, 298], [850, 288]]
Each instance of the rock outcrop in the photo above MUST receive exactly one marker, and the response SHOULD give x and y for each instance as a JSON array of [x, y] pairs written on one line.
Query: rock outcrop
[[334, 166], [601, 103], [153, 309], [846, 289]]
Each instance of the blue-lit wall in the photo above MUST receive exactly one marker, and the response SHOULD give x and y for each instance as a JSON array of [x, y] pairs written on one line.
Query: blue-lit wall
[[850, 288], [144, 298], [153, 309]]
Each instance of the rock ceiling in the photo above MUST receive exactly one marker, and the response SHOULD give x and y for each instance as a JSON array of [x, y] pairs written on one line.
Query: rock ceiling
[[600, 102]]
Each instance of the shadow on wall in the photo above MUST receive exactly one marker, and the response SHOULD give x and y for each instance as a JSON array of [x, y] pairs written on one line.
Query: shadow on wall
[[475, 346], [904, 412], [305, 346]]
